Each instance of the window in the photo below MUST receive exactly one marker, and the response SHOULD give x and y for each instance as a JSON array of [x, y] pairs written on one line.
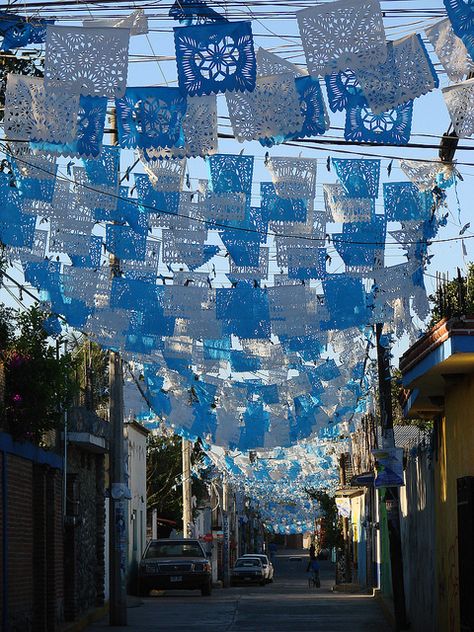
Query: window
[[174, 549]]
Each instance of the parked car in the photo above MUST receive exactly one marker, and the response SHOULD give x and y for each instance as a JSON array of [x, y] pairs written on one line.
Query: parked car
[[174, 564], [248, 570], [267, 565]]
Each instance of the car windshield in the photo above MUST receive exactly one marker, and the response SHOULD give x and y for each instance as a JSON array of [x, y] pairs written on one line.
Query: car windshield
[[174, 549], [261, 557], [247, 562]]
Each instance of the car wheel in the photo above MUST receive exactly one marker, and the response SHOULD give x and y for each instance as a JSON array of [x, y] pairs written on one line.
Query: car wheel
[[206, 590], [143, 592]]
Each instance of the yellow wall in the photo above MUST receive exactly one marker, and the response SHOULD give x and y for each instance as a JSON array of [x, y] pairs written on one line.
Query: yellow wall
[[455, 459]]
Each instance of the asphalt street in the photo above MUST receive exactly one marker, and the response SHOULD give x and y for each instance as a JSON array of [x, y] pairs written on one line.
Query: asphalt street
[[286, 605]]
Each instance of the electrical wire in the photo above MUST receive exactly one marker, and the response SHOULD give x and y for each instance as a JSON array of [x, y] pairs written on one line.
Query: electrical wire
[[222, 226]]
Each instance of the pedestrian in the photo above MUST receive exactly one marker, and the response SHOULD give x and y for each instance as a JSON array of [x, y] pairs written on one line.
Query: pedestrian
[[272, 549], [312, 556]]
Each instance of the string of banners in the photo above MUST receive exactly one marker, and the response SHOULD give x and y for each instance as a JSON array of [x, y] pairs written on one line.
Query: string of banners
[[272, 351]]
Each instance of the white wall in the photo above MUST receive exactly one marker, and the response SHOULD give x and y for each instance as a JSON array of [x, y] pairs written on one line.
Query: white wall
[[136, 449]]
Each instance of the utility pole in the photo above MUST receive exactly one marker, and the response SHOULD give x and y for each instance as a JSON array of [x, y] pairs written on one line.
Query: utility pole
[[392, 496], [187, 501], [225, 530], [345, 525], [118, 504], [118, 514]]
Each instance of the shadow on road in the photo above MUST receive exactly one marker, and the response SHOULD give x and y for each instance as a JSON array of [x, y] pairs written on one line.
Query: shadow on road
[[286, 605]]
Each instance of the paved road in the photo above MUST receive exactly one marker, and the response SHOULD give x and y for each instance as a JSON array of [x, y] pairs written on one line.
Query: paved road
[[287, 605]]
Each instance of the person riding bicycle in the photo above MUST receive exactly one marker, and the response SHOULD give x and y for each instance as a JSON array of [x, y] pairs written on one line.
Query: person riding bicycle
[[313, 568]]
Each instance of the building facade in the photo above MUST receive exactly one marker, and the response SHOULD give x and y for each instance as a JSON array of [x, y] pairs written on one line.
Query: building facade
[[439, 371]]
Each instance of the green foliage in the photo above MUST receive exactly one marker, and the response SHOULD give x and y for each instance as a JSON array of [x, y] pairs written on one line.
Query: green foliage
[[398, 417], [164, 472], [91, 375], [164, 464], [7, 316], [38, 382], [455, 298], [332, 531]]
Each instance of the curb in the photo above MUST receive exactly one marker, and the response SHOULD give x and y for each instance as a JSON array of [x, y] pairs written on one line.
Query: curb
[[87, 619], [349, 588], [386, 606]]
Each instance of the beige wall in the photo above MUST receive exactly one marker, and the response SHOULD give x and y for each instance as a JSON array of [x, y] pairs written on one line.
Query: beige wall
[[455, 459]]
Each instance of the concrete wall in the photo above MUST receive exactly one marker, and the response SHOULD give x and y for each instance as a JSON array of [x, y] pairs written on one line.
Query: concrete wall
[[417, 511], [136, 449], [455, 450]]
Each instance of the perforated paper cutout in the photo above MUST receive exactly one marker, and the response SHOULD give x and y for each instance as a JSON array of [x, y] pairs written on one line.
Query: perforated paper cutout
[[390, 128], [272, 109], [136, 22], [89, 134], [461, 14], [148, 267], [342, 34], [214, 58], [360, 178], [428, 175], [37, 113], [450, 50], [252, 272], [406, 74], [184, 246], [343, 89], [165, 175], [312, 108], [199, 128], [270, 64], [151, 117], [230, 173], [403, 201], [224, 208], [293, 177], [280, 209], [90, 61], [459, 99], [343, 208]]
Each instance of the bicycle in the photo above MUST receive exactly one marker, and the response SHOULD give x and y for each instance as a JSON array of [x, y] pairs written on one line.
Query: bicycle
[[313, 580]]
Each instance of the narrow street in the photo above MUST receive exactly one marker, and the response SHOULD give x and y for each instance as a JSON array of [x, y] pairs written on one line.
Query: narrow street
[[287, 605]]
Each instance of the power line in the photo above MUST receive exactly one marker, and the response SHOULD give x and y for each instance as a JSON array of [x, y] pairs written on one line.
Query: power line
[[219, 225]]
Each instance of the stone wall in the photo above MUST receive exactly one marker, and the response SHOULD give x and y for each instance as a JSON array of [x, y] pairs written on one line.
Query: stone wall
[[84, 538]]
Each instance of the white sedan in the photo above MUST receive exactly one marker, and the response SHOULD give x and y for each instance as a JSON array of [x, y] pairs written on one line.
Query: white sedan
[[267, 565]]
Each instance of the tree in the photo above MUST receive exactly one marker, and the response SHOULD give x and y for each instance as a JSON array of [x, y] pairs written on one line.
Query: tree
[[91, 367], [331, 527], [398, 417], [38, 382], [454, 298], [164, 476], [164, 467]]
